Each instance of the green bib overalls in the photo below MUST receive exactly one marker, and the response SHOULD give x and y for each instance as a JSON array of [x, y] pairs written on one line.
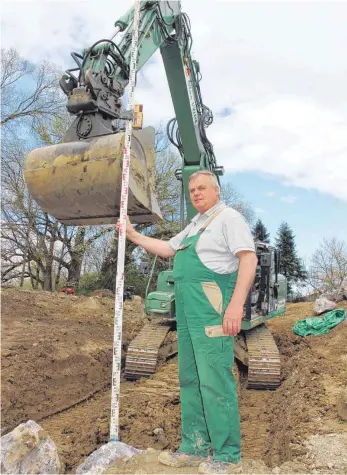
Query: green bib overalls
[[209, 405]]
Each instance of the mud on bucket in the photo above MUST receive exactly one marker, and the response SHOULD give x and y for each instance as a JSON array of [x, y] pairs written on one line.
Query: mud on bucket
[[79, 183]]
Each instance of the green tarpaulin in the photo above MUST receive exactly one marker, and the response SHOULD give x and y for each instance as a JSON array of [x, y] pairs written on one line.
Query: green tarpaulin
[[319, 325]]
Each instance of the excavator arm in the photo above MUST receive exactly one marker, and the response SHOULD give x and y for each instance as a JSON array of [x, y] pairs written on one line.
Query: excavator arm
[[89, 193], [95, 87]]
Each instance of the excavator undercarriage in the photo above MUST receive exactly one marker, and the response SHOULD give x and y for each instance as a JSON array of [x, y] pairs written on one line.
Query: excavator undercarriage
[[255, 348], [257, 351], [153, 346]]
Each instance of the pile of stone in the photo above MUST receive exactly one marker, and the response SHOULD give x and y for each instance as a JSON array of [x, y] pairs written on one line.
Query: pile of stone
[[327, 301], [29, 449]]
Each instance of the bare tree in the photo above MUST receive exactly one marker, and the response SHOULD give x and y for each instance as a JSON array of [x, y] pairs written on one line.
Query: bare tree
[[96, 253], [11, 261], [233, 198], [52, 131], [37, 245], [29, 92], [162, 142], [328, 265], [78, 241], [167, 186]]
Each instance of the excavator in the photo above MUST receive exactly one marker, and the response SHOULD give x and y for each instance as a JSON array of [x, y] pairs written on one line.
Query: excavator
[[78, 180]]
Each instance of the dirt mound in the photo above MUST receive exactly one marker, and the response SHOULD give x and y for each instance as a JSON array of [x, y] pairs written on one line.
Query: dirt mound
[[56, 351], [103, 293], [56, 369]]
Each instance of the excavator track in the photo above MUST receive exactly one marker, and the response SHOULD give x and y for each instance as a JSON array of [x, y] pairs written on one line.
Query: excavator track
[[264, 363], [256, 349], [150, 347]]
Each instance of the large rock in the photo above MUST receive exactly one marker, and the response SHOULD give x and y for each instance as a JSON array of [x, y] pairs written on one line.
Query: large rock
[[322, 305], [342, 292], [28, 449], [102, 458], [344, 287], [338, 294]]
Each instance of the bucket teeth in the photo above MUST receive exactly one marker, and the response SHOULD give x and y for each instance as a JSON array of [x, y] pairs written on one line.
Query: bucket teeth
[[148, 349]]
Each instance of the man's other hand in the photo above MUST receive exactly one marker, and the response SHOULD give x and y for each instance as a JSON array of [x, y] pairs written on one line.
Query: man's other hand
[[232, 319]]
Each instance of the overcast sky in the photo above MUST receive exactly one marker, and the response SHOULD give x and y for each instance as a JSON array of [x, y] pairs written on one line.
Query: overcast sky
[[274, 75]]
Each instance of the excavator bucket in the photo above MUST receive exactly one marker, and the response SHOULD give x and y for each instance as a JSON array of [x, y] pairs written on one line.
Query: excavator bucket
[[80, 182]]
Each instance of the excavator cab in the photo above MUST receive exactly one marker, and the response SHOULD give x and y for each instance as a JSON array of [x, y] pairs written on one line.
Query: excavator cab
[[161, 302]]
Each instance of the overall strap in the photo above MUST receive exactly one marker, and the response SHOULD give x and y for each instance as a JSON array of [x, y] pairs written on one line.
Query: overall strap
[[211, 218], [201, 230]]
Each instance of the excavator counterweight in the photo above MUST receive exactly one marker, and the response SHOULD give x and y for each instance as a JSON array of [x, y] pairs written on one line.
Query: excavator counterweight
[[80, 182]]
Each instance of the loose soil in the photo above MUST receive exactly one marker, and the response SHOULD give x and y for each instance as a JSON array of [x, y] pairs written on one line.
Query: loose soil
[[56, 370]]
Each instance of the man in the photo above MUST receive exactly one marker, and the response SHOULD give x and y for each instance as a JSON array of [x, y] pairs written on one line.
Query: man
[[214, 267]]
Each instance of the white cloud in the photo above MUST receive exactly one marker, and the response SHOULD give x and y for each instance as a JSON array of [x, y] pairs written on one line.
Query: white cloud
[[287, 92], [270, 194], [259, 210], [297, 140], [289, 199]]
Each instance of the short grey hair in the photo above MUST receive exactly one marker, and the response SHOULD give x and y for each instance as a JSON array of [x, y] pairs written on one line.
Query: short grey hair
[[212, 176]]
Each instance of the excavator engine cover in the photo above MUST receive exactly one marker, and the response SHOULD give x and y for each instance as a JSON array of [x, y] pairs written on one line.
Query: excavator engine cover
[[80, 182]]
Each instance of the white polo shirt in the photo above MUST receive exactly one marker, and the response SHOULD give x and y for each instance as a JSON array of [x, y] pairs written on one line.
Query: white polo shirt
[[227, 234]]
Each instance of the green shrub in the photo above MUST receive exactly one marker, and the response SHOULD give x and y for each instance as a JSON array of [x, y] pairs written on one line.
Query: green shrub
[[88, 283]]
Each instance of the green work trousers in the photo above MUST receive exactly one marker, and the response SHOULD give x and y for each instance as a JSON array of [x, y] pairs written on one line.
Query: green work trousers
[[209, 405]]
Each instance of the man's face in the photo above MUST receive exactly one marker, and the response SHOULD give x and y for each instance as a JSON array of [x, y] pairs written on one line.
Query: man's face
[[203, 193]]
